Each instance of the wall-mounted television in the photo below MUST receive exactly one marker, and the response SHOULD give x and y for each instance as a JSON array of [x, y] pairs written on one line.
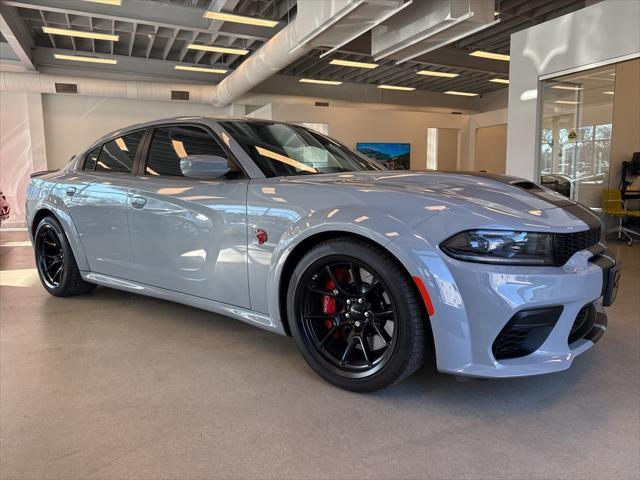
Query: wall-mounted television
[[394, 156]]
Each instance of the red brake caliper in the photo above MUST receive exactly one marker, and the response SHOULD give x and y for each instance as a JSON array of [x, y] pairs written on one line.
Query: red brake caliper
[[329, 302]]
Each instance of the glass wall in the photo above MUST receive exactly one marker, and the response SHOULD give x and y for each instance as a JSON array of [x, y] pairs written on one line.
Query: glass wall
[[575, 141]]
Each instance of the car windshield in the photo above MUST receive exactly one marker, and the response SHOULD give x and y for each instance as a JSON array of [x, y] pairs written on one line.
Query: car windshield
[[281, 150]]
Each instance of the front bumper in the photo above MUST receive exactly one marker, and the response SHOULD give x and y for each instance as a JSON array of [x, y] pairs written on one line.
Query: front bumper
[[474, 303]]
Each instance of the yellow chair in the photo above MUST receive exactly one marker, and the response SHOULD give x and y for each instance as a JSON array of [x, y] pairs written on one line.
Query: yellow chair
[[614, 206]]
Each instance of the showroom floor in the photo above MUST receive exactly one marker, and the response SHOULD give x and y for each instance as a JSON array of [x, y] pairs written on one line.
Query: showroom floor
[[113, 385]]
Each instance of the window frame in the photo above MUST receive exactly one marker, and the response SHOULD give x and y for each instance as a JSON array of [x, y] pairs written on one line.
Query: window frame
[[143, 157]]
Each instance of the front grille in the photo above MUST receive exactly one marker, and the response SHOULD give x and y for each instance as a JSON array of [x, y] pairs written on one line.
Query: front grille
[[566, 244]]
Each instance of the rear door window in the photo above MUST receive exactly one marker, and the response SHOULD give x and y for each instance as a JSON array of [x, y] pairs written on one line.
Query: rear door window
[[91, 159], [117, 156]]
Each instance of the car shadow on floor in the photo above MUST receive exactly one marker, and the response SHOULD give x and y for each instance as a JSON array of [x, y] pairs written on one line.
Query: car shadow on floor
[[425, 389]]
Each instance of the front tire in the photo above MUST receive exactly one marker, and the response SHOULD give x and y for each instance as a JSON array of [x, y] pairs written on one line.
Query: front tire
[[356, 315], [56, 265]]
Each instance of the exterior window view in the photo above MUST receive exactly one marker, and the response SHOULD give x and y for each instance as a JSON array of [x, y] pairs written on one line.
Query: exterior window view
[[238, 235]]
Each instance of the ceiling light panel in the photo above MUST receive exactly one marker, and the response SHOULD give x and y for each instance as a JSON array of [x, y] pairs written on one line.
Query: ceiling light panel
[[567, 87], [349, 63], [319, 82], [230, 17], [433, 73], [189, 68], [567, 102], [80, 34], [490, 55], [396, 87], [115, 3], [78, 58], [500, 80], [462, 94], [212, 48]]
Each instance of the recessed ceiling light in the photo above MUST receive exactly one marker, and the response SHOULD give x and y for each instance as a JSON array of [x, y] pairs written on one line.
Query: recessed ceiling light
[[500, 80], [230, 17], [349, 63], [115, 3], [609, 92], [319, 82], [396, 87], [490, 55], [212, 48], [567, 102], [462, 94], [567, 87], [432, 73], [80, 33], [189, 68], [78, 58]]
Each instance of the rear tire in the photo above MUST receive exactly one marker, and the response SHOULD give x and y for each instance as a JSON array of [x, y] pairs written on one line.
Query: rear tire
[[56, 265], [356, 316]]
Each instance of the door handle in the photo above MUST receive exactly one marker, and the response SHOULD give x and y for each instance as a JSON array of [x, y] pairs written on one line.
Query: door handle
[[138, 201], [71, 191]]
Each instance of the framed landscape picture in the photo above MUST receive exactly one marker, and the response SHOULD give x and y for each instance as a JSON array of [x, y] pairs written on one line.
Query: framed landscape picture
[[394, 156]]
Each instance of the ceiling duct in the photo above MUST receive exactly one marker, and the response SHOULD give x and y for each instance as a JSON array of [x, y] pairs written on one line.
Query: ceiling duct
[[328, 23], [426, 26]]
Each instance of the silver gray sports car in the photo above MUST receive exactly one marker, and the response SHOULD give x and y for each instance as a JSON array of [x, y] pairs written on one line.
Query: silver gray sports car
[[369, 270]]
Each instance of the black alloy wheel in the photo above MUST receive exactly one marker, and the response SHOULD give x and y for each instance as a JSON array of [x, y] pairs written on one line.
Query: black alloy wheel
[[348, 316], [356, 315], [50, 255], [57, 267]]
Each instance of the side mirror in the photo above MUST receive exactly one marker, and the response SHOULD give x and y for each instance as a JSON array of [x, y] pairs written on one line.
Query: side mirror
[[204, 166]]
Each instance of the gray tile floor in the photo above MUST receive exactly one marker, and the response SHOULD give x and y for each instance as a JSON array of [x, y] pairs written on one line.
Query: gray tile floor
[[112, 385]]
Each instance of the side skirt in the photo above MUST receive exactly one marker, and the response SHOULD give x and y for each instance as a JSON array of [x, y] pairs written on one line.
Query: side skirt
[[239, 313]]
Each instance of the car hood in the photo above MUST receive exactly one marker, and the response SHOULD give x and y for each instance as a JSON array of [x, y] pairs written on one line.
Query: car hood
[[464, 189]]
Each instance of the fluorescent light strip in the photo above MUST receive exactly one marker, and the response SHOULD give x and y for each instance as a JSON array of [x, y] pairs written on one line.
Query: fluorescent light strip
[[462, 94], [395, 87], [211, 48], [78, 58], [319, 82], [500, 80], [115, 3], [567, 87], [609, 92], [188, 68], [567, 102], [349, 63], [230, 17], [80, 34], [490, 55], [432, 73]]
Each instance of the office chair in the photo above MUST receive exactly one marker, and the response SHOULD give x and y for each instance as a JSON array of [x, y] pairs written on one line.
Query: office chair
[[614, 206]]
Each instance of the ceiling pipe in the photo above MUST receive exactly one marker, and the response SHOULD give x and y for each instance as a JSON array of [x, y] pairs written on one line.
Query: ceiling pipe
[[272, 57]]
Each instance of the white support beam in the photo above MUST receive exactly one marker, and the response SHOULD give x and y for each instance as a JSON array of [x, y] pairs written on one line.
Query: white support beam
[[17, 35]]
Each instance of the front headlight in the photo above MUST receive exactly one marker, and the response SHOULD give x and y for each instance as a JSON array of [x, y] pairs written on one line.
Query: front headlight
[[503, 247]]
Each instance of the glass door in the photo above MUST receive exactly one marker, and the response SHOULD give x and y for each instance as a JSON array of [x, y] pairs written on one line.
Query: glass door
[[575, 137]]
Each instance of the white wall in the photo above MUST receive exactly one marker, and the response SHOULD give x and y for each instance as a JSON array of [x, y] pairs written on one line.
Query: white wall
[[483, 120], [597, 34], [22, 148], [72, 122], [352, 125]]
